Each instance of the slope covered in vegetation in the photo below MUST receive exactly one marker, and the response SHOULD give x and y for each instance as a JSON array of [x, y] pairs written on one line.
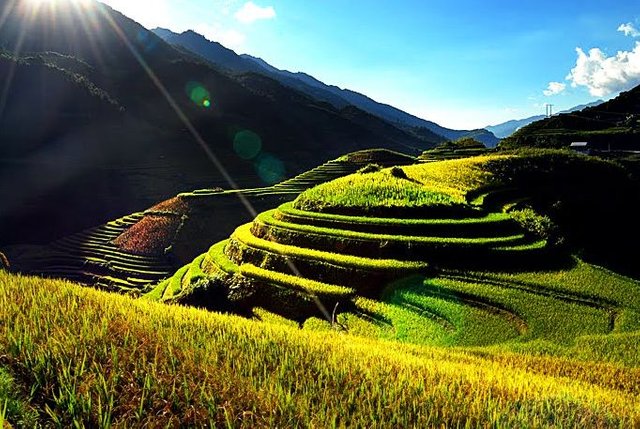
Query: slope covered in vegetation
[[611, 125], [78, 356], [463, 309], [132, 252], [120, 118], [407, 253]]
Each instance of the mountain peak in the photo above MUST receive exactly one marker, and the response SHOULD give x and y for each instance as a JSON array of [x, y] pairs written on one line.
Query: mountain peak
[[194, 34], [164, 32]]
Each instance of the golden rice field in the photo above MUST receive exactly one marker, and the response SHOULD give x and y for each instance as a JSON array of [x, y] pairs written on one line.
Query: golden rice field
[[401, 297], [85, 357]]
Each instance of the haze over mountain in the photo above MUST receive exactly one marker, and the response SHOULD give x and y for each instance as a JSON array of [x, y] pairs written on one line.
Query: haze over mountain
[[339, 98], [98, 115], [507, 128]]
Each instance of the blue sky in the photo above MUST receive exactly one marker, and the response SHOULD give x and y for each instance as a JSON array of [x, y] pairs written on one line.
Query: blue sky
[[463, 64]]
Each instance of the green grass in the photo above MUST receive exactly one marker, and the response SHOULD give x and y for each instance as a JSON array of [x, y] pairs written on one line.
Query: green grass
[[243, 235], [15, 409], [216, 254], [297, 232], [541, 316], [535, 345], [565, 307], [408, 315], [584, 280], [422, 187], [271, 318], [295, 283], [441, 184], [287, 210], [95, 359], [211, 264], [446, 186], [175, 284]]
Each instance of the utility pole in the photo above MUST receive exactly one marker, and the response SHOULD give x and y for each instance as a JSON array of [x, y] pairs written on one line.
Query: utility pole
[[549, 110]]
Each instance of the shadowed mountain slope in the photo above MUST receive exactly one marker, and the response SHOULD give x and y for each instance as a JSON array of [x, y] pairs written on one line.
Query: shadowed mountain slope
[[125, 131], [339, 98]]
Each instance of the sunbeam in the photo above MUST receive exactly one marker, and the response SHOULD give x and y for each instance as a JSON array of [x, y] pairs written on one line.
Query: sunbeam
[[198, 138], [12, 68], [87, 16]]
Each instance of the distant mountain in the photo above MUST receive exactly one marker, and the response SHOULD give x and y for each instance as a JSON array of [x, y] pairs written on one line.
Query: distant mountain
[[614, 124], [339, 98], [95, 119], [505, 129]]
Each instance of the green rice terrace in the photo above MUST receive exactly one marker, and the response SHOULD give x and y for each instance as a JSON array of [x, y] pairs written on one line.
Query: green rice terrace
[[131, 253], [442, 253], [481, 291]]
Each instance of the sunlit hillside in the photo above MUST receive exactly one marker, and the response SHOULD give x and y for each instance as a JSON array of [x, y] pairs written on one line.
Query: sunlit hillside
[[72, 355], [286, 214]]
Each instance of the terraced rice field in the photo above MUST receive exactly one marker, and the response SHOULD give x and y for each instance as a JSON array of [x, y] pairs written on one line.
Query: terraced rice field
[[108, 258], [288, 261], [434, 155], [91, 257], [326, 172], [285, 266], [76, 357], [503, 329], [475, 278]]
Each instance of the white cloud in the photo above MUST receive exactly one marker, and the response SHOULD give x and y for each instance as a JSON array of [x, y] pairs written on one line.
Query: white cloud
[[604, 75], [251, 12], [554, 88], [629, 30], [229, 38]]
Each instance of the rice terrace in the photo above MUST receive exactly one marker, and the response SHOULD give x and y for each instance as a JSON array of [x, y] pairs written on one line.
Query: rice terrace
[[196, 238]]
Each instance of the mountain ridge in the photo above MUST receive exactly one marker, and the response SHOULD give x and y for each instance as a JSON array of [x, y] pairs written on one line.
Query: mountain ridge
[[142, 151], [612, 125], [338, 97]]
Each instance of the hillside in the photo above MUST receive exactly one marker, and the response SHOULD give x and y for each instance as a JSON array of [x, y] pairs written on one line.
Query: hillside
[[135, 363], [337, 97], [348, 239], [168, 108], [130, 253], [610, 125], [444, 294]]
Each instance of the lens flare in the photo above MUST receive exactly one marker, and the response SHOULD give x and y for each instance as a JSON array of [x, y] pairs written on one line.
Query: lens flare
[[198, 94], [247, 144], [264, 165], [270, 169]]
